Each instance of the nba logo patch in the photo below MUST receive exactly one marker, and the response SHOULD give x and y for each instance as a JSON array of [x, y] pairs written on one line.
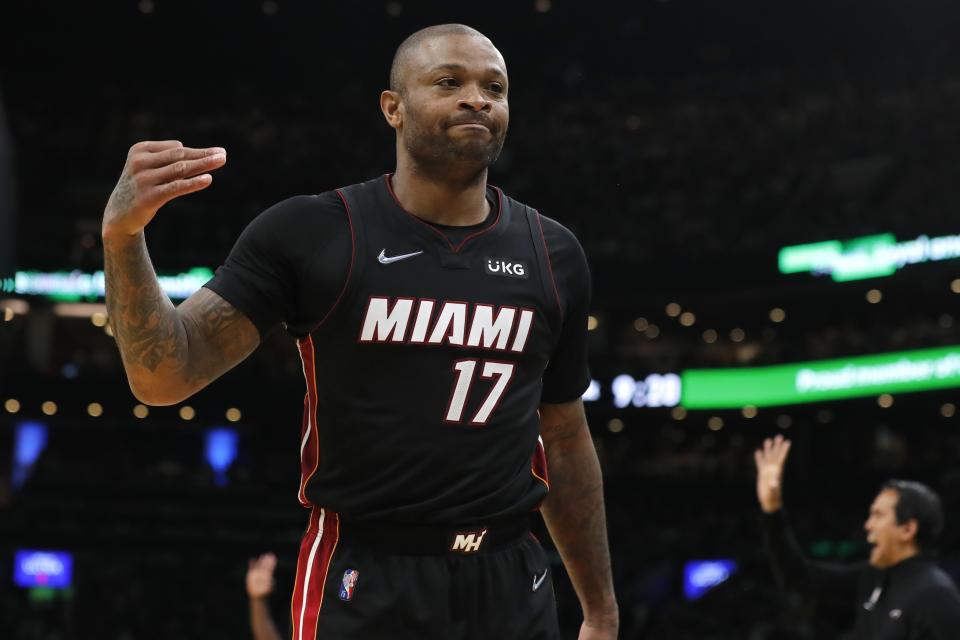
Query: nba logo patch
[[349, 584]]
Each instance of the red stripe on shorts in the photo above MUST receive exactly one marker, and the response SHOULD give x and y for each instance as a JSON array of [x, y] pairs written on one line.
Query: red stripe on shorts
[[313, 566]]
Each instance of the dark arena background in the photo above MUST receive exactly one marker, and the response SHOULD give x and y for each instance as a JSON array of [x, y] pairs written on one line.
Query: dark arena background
[[695, 147]]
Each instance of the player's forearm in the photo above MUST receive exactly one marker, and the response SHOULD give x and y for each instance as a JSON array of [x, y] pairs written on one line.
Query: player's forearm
[[261, 622], [575, 515], [152, 338]]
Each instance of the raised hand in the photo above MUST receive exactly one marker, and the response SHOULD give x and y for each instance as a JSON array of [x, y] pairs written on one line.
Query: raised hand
[[260, 575], [155, 173], [770, 460]]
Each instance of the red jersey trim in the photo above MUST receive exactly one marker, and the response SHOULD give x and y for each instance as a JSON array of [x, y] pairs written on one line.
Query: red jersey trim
[[546, 248], [538, 464], [310, 436], [353, 258]]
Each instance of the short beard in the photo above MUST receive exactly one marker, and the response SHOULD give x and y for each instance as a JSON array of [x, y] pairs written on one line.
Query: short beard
[[442, 154]]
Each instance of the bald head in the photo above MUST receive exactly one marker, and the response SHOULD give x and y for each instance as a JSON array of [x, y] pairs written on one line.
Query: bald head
[[405, 51], [448, 100]]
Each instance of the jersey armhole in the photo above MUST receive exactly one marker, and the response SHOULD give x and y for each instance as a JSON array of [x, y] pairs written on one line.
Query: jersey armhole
[[350, 270], [547, 278]]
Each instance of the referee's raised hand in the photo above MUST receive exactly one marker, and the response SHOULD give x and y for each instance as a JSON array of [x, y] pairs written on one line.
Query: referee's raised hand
[[155, 173], [770, 460]]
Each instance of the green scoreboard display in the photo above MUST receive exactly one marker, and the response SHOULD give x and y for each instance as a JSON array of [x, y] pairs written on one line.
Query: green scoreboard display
[[820, 380]]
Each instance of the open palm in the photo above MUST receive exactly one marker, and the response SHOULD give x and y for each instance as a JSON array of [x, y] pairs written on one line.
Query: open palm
[[770, 460]]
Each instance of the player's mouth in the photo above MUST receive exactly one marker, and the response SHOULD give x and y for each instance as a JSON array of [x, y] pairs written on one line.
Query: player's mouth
[[474, 128], [478, 124]]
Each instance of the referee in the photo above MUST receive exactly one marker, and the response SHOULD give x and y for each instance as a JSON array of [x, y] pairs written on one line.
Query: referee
[[900, 593]]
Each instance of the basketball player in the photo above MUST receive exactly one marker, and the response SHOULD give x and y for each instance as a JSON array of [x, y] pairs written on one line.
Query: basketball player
[[442, 328], [900, 592], [260, 585]]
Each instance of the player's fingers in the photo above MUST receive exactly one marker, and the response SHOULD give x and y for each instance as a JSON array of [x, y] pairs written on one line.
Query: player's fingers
[[767, 446], [183, 169], [177, 188], [173, 155], [155, 145], [269, 561], [758, 459]]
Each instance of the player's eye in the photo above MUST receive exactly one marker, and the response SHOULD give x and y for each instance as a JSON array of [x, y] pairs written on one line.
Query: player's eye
[[447, 83], [496, 87]]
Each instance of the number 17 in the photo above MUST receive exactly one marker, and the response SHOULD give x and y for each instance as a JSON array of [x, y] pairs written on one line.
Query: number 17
[[465, 369]]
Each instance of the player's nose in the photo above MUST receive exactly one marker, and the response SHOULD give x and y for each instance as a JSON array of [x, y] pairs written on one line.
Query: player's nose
[[473, 98]]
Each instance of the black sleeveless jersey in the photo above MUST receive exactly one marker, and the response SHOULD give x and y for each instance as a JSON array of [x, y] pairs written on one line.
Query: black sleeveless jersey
[[426, 364]]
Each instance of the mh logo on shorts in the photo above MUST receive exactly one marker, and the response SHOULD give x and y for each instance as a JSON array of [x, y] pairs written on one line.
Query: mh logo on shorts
[[468, 541], [349, 584], [511, 269]]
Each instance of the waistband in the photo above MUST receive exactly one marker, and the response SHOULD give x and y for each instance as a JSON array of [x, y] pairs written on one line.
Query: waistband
[[419, 540]]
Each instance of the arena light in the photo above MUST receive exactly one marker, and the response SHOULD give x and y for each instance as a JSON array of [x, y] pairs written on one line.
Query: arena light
[[14, 307], [220, 450], [29, 441], [79, 309], [816, 381], [43, 569], [592, 394], [874, 256], [69, 286], [699, 576]]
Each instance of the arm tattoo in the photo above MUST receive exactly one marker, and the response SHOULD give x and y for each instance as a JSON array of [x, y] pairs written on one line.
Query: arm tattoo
[[143, 319], [574, 509], [219, 336], [166, 348], [122, 195]]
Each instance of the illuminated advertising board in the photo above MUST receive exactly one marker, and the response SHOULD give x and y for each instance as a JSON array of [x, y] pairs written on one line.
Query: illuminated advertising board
[[816, 381], [874, 256], [69, 286]]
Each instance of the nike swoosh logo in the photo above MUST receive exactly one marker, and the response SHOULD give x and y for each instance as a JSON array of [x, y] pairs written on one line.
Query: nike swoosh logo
[[385, 259], [538, 581]]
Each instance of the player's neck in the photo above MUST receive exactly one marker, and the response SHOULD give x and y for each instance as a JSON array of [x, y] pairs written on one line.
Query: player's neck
[[450, 200]]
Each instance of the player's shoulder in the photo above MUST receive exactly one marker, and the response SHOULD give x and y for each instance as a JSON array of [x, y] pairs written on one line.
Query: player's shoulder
[[562, 244], [557, 236], [307, 205], [299, 215], [378, 188]]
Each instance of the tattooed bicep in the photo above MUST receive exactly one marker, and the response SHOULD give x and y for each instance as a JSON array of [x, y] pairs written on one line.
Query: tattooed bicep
[[220, 336]]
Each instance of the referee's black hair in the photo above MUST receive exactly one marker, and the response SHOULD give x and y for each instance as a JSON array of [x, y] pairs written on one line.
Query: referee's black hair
[[917, 501], [414, 39]]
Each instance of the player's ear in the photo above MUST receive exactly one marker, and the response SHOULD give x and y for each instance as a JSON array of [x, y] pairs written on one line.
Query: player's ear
[[908, 530], [392, 107]]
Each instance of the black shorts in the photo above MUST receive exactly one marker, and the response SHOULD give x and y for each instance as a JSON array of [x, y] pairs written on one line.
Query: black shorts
[[418, 583]]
